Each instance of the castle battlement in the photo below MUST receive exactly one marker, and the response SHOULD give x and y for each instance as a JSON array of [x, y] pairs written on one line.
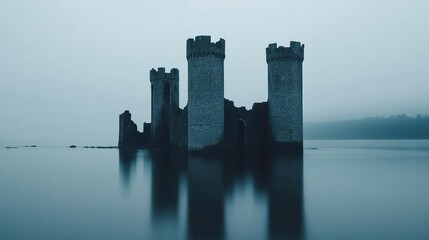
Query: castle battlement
[[202, 46], [160, 74], [294, 52]]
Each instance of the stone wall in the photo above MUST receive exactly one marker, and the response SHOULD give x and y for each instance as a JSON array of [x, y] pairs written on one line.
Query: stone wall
[[129, 136], [179, 128], [146, 134], [205, 92], [255, 126]]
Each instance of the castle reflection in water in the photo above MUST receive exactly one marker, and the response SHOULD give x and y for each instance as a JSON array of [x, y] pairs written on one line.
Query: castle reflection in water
[[209, 183]]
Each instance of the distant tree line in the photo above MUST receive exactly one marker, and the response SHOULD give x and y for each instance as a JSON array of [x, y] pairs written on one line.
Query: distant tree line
[[394, 127]]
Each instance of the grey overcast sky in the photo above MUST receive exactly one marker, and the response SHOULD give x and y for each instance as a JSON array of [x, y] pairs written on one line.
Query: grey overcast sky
[[69, 68]]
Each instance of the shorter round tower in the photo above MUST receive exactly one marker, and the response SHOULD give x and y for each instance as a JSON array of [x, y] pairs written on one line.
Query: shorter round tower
[[285, 110]]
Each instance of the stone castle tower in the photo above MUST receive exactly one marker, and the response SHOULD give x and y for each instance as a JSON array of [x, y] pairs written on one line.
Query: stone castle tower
[[285, 114], [205, 92], [164, 97], [211, 122]]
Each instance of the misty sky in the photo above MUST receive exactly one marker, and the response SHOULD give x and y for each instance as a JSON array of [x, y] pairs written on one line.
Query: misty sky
[[69, 68]]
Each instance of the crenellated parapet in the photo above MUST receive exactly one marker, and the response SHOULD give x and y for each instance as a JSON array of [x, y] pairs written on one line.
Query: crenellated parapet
[[202, 46], [294, 52], [160, 74]]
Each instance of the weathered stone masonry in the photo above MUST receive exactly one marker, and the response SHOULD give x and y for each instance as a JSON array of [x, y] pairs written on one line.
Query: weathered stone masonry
[[205, 92], [285, 92], [164, 98], [210, 121]]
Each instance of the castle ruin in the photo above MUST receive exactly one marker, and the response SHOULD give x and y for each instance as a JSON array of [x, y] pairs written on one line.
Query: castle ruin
[[211, 122]]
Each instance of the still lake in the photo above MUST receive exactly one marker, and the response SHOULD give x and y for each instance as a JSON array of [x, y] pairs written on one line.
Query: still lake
[[337, 190]]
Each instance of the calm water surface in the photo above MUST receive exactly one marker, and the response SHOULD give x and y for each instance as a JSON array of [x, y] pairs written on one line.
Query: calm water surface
[[338, 190]]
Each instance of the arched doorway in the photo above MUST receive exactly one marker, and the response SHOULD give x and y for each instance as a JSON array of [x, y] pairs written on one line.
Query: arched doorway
[[240, 135]]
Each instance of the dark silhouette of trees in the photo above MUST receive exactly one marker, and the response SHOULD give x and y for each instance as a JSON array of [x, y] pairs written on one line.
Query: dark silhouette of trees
[[393, 127]]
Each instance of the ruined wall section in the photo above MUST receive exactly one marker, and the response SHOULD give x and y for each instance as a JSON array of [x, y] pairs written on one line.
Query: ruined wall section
[[164, 96], [256, 126], [232, 115], [129, 136], [179, 128], [145, 135], [127, 129], [205, 92], [259, 128], [285, 92]]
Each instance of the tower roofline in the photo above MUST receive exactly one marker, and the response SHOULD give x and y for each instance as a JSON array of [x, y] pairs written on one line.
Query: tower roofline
[[202, 46], [161, 74], [295, 51]]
